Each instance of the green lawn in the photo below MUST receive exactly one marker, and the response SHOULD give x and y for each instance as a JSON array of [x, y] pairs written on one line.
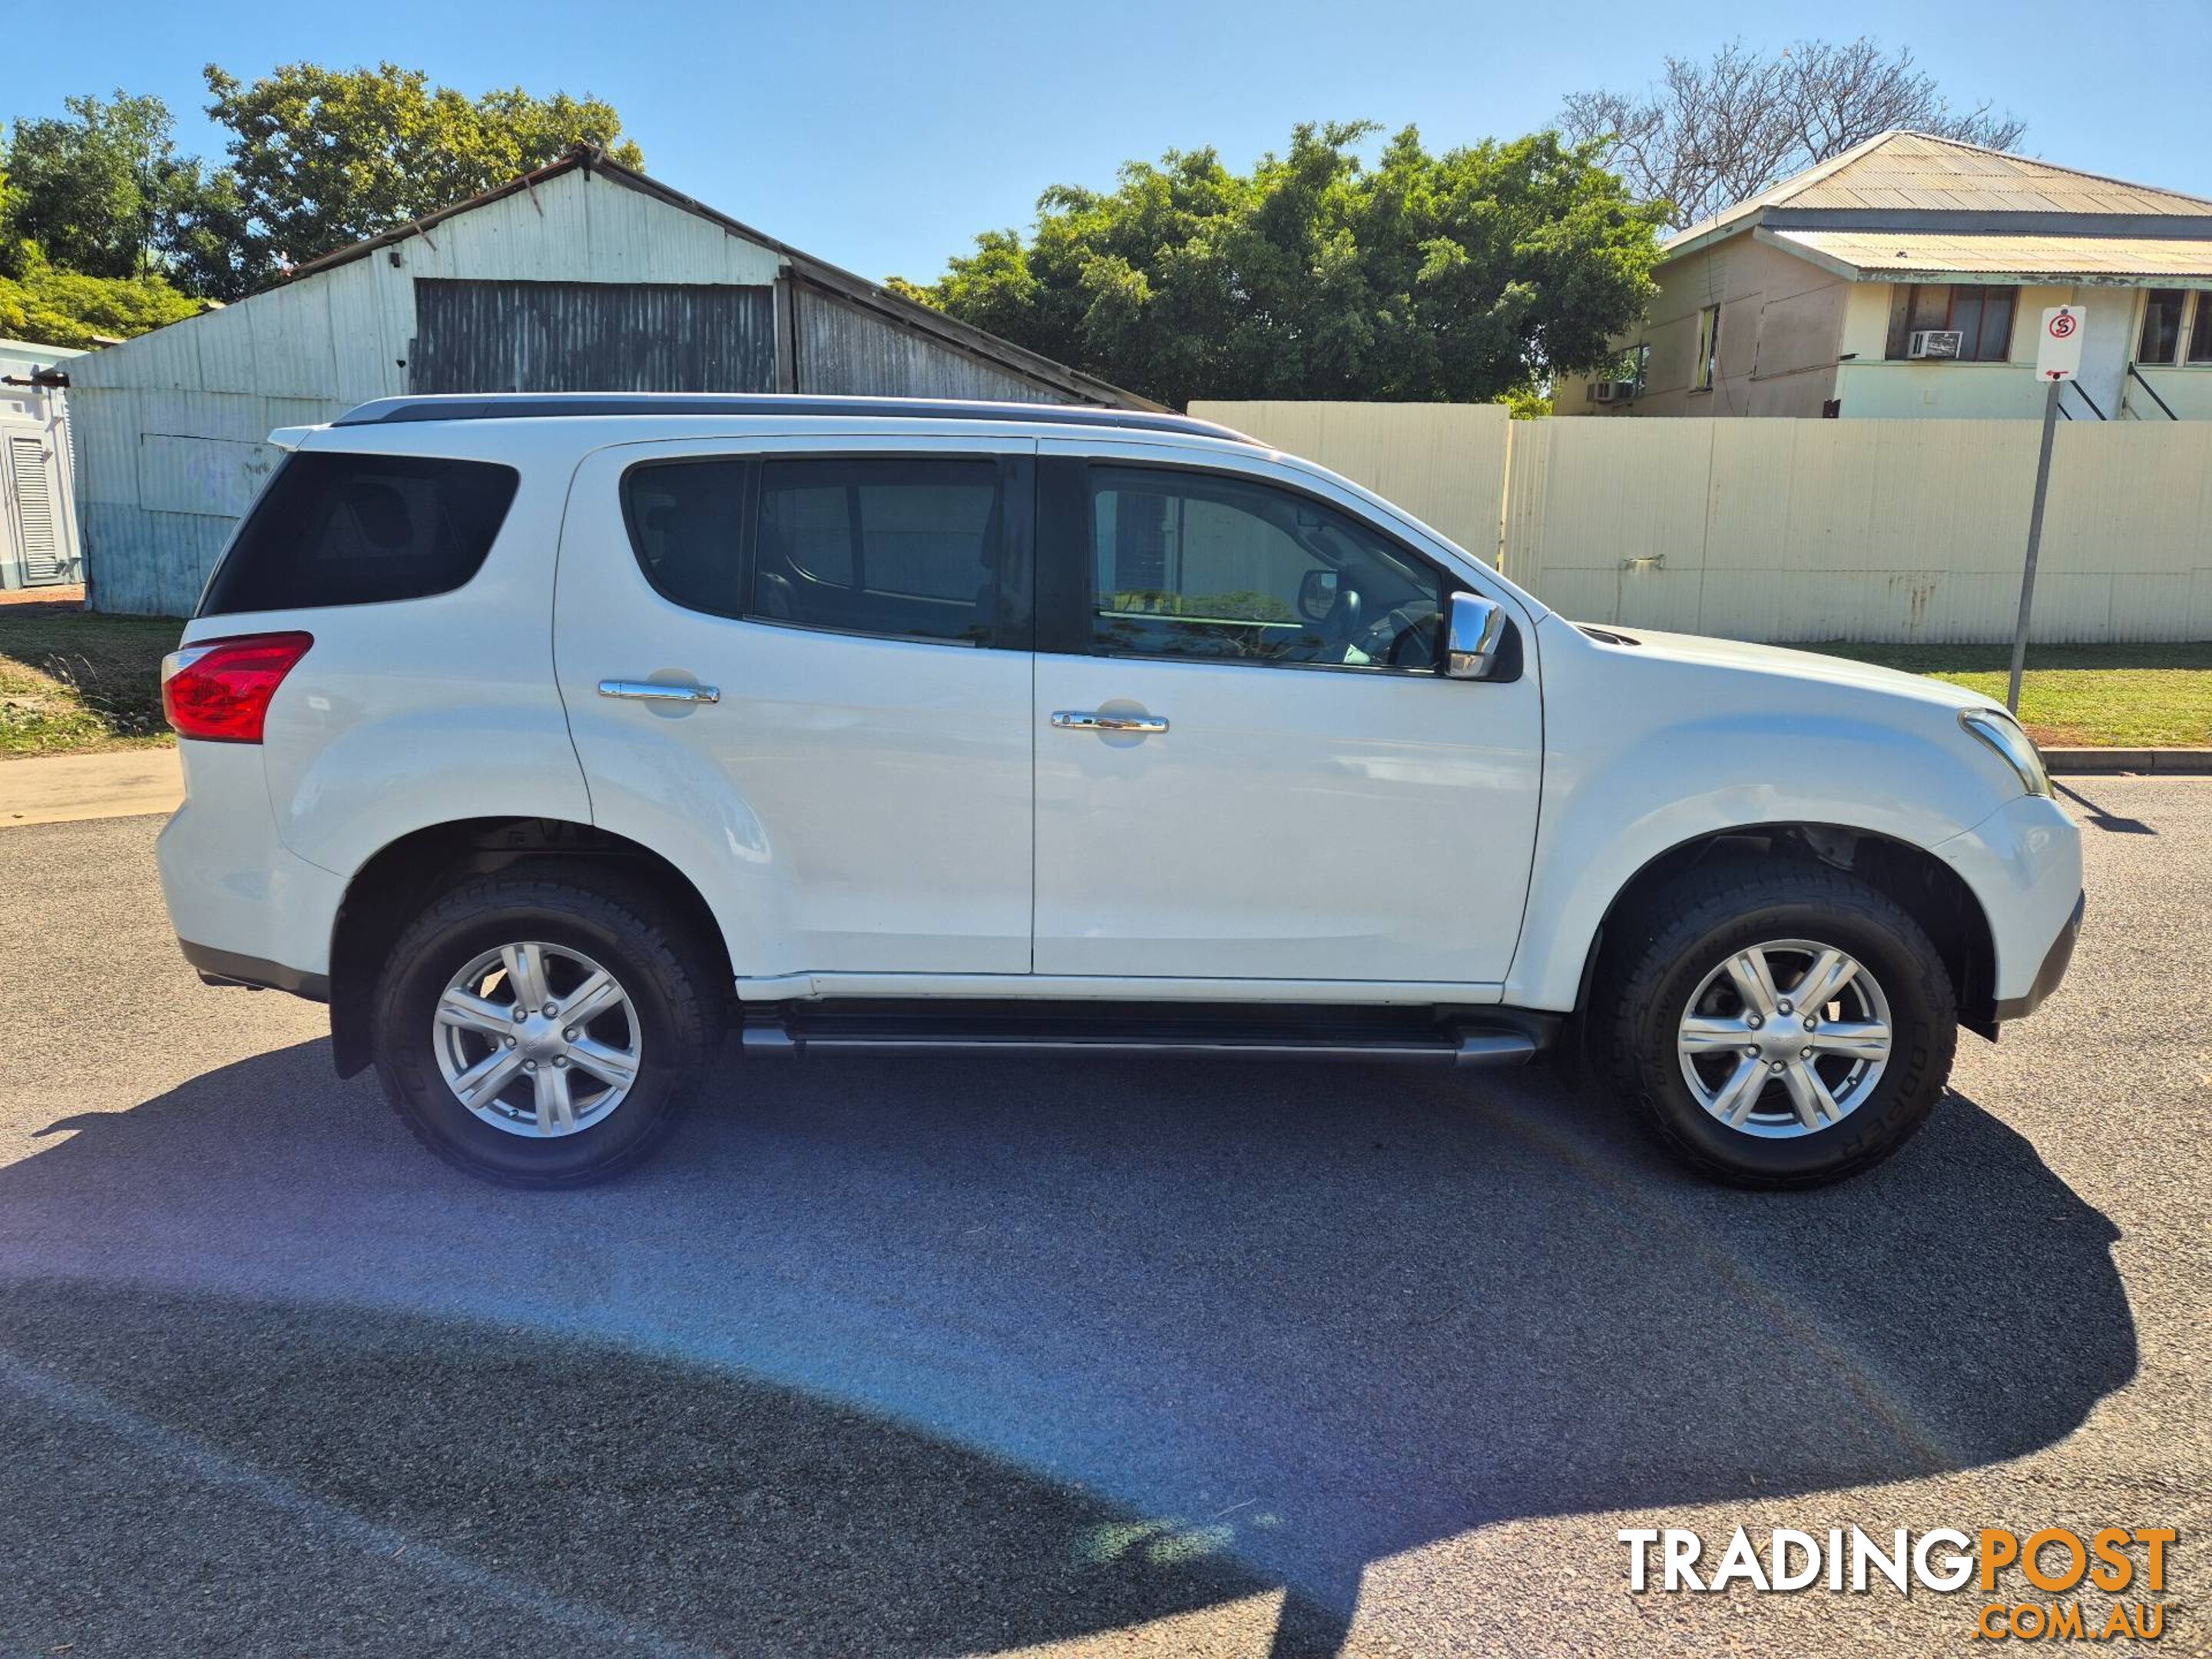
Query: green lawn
[[2096, 696], [71, 681]]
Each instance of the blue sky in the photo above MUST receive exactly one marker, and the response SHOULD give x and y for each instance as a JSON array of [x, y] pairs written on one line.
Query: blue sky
[[881, 137]]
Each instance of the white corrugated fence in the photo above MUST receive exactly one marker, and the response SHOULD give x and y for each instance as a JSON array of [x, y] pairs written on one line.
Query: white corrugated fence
[[1892, 530]]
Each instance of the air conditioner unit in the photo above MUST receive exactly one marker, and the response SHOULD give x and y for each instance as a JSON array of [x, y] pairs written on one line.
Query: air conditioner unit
[[1612, 391], [1935, 343]]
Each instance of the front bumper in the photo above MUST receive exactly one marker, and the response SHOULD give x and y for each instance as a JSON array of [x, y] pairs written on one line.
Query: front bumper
[[2023, 866], [2055, 964]]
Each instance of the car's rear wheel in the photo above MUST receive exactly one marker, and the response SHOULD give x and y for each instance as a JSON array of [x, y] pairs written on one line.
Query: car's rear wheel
[[1777, 1023], [539, 1027]]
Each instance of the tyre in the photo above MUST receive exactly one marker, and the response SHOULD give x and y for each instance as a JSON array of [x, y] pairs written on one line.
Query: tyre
[[1776, 1023], [539, 1027]]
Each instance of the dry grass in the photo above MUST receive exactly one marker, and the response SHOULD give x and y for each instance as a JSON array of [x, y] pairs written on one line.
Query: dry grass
[[71, 681]]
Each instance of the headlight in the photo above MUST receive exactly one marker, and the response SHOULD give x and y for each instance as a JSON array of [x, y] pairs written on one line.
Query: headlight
[[2003, 733]]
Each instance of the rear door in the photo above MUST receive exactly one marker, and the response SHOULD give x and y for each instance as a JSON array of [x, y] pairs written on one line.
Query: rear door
[[1248, 765], [801, 669]]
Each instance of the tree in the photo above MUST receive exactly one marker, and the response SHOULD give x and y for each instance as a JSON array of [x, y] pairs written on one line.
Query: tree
[[103, 192], [1459, 275], [53, 306], [323, 158], [88, 188], [1710, 134]]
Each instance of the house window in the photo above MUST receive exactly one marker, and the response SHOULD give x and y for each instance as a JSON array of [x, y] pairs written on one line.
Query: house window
[[1983, 316], [1708, 348], [2161, 324], [2171, 316]]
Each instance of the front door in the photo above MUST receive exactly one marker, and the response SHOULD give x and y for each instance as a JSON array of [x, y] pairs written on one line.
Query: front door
[[1248, 766], [856, 797]]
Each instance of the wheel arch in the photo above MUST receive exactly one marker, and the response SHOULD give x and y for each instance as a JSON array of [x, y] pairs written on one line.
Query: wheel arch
[[391, 887], [1925, 887]]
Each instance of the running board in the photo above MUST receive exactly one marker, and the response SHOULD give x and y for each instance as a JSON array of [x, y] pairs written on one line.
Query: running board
[[804, 1030]]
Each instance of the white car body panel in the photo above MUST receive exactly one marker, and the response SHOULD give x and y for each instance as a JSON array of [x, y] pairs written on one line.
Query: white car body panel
[[231, 885], [852, 803], [404, 716], [1657, 743], [1293, 823], [868, 818]]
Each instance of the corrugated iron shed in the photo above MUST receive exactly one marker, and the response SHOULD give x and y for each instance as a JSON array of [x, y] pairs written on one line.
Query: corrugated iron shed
[[582, 276]]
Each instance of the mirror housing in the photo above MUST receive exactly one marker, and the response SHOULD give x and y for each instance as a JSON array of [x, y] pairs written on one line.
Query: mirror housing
[[1317, 591], [1473, 627]]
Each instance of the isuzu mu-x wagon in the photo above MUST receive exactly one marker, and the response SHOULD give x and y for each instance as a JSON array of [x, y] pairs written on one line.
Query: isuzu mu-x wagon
[[570, 745]]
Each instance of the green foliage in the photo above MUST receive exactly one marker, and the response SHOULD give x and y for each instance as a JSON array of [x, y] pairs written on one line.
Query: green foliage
[[87, 188], [323, 158], [1526, 403], [104, 193], [1419, 277], [53, 306]]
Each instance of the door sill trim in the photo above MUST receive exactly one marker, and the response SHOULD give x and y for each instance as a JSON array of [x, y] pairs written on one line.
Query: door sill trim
[[1100, 988]]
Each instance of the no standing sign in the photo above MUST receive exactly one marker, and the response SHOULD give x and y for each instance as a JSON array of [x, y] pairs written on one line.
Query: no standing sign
[[2058, 347]]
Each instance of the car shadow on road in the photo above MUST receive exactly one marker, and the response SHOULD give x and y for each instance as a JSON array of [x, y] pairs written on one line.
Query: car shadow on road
[[1026, 1351]]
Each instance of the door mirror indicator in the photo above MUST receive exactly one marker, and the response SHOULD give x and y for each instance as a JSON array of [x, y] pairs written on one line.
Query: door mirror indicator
[[1474, 628]]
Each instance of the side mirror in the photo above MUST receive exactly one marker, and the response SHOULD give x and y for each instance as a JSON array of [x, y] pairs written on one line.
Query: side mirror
[[1473, 629], [1317, 594]]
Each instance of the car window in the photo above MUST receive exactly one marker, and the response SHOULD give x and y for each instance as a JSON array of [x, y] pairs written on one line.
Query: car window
[[1192, 564], [687, 522], [899, 547], [335, 529]]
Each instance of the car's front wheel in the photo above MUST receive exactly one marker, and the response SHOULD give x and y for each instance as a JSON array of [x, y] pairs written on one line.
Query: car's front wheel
[[538, 1028], [1777, 1024]]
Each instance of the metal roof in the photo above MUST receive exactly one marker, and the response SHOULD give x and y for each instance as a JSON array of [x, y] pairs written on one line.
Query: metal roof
[[514, 406], [1936, 255], [595, 163], [1915, 180]]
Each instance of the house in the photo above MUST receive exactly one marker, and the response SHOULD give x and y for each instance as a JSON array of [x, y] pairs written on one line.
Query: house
[[38, 523], [582, 276], [1908, 277]]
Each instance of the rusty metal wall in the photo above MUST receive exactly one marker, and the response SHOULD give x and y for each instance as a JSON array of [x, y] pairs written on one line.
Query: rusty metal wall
[[480, 336], [844, 348]]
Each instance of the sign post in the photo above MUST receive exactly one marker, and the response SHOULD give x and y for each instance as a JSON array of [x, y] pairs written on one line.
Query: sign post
[[2057, 360]]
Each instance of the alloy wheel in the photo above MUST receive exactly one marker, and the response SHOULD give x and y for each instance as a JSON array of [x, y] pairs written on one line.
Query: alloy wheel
[[1786, 1038], [537, 1039]]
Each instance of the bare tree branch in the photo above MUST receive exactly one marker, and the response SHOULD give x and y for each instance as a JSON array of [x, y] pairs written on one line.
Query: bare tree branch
[[1708, 134]]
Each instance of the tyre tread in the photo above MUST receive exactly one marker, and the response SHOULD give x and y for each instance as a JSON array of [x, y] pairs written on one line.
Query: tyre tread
[[1709, 895]]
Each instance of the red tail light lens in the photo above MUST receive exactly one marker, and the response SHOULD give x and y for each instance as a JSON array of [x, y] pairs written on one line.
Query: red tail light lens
[[218, 690]]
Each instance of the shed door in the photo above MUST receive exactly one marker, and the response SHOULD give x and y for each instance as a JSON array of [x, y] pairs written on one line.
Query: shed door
[[38, 531], [592, 336]]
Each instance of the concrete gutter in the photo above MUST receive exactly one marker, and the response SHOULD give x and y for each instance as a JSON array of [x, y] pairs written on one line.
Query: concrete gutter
[[2168, 762], [122, 783]]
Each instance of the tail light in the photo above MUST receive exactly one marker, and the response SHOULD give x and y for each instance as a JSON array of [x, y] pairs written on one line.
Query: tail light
[[218, 690]]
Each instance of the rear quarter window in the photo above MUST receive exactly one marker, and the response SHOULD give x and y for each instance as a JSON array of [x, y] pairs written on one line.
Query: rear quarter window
[[334, 528]]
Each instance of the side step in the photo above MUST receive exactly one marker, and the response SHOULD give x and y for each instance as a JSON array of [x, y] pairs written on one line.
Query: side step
[[793, 1029]]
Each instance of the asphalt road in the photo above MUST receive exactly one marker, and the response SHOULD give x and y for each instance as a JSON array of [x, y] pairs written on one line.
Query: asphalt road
[[900, 1358]]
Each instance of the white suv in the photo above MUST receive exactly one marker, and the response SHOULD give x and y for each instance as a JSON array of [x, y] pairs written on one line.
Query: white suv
[[550, 739]]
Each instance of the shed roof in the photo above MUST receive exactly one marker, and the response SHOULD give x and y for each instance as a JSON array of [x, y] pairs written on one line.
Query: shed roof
[[1897, 181], [595, 163]]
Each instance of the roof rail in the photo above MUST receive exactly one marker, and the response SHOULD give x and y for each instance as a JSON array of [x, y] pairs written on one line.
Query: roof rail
[[524, 406]]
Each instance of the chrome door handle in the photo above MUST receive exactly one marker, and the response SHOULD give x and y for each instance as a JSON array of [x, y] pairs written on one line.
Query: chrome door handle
[[1073, 721], [651, 691]]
